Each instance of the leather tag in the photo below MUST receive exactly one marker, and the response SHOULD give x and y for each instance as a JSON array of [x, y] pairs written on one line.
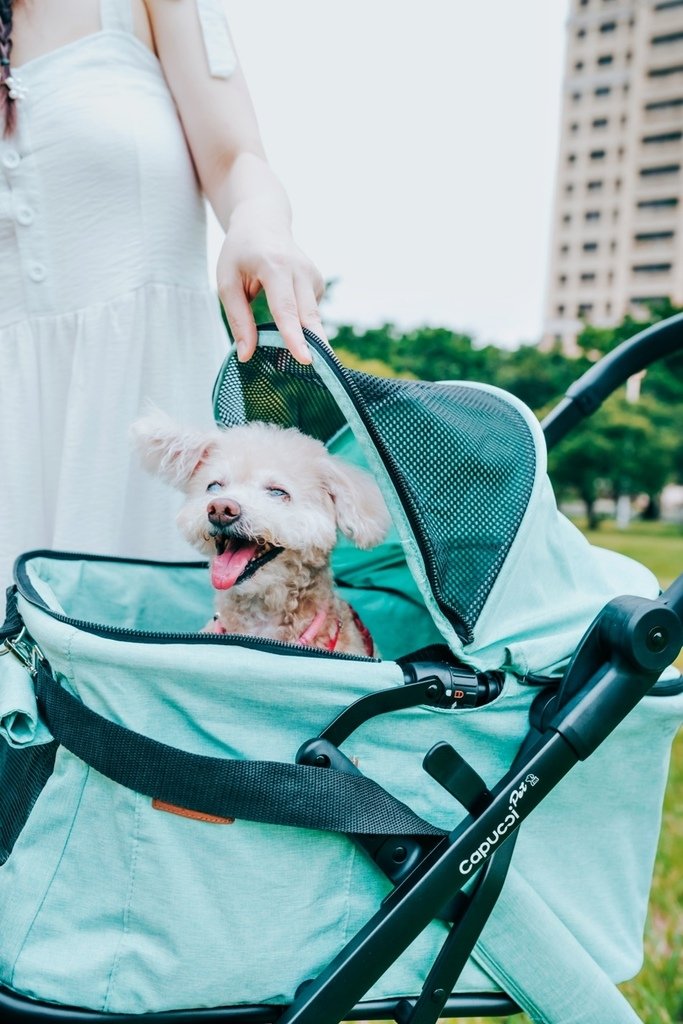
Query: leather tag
[[185, 812]]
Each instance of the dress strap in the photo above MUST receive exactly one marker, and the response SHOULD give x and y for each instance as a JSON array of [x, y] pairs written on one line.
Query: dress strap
[[220, 55], [117, 14], [219, 50]]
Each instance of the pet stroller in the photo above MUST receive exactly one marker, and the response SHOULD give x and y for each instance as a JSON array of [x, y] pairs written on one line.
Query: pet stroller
[[208, 827]]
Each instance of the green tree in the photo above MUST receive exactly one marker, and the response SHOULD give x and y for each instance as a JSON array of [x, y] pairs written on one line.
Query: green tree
[[538, 378], [625, 448], [427, 353]]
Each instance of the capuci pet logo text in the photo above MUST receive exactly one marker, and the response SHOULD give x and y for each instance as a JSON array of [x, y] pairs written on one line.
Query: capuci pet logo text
[[508, 822]]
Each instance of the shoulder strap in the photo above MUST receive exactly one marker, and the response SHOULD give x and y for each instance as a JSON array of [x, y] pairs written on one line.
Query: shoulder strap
[[266, 791], [220, 54], [117, 14]]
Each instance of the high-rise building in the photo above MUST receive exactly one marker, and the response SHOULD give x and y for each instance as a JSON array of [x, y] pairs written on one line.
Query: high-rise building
[[617, 229]]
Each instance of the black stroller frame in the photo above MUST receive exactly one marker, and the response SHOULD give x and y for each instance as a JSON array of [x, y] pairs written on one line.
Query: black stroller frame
[[617, 663]]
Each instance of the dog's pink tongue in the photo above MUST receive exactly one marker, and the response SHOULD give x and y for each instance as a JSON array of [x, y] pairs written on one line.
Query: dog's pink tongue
[[228, 567]]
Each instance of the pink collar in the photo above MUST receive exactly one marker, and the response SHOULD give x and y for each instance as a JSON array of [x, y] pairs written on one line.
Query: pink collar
[[311, 631]]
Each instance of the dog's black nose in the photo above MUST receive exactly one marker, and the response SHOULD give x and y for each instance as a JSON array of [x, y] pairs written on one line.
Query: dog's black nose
[[224, 512]]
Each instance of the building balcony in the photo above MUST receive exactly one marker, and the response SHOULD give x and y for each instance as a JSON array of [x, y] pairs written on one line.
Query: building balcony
[[656, 246], [664, 80], [665, 19], [661, 146], [670, 112]]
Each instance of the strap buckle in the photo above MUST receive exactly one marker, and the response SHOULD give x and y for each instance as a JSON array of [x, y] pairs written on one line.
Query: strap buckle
[[23, 647]]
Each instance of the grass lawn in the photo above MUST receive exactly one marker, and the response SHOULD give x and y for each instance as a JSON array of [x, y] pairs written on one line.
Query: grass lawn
[[656, 994]]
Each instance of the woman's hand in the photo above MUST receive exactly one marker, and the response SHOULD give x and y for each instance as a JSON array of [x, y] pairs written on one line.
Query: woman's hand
[[249, 201], [259, 252]]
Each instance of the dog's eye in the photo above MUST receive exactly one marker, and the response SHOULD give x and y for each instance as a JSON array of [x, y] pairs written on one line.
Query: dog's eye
[[214, 487], [278, 492]]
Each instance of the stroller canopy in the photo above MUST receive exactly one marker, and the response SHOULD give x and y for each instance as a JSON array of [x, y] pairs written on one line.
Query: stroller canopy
[[507, 579]]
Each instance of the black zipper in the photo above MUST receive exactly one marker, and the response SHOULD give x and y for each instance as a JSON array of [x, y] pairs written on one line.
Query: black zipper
[[28, 592]]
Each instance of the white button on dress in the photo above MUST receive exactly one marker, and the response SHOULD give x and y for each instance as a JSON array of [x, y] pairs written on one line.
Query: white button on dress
[[37, 272], [10, 159], [25, 215], [105, 300]]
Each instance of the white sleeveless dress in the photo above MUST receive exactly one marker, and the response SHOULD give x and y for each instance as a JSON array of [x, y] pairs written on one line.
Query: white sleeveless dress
[[104, 298]]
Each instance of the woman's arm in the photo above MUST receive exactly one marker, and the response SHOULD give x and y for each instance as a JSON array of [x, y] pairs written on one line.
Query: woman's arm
[[222, 132]]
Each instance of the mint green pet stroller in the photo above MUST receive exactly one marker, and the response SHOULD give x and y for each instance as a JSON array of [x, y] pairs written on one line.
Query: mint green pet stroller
[[213, 827]]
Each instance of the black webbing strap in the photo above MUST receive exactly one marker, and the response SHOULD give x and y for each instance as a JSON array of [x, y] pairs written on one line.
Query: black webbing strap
[[266, 791], [13, 623]]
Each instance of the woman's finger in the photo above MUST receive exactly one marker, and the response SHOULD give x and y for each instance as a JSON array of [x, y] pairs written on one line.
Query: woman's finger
[[240, 318], [307, 306], [283, 305]]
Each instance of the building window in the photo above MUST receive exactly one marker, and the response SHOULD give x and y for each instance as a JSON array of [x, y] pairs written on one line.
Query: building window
[[581, 33], [665, 104], [645, 300], [560, 310], [584, 309], [597, 154], [600, 122], [653, 236], [592, 215], [617, 184], [651, 268], [574, 127], [562, 279], [662, 137], [578, 66], [613, 246], [594, 186], [567, 218], [564, 250], [569, 188], [608, 308], [669, 37], [666, 5], [674, 69], [658, 204], [608, 26], [590, 246], [658, 172], [587, 277], [576, 96], [602, 90], [607, 58]]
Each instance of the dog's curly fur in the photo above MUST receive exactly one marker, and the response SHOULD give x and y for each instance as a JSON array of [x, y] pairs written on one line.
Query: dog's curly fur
[[257, 488]]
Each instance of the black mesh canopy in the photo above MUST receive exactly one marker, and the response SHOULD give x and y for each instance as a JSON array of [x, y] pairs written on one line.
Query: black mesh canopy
[[462, 459]]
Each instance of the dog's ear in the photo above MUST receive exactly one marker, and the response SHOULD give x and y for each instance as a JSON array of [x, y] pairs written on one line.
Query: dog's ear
[[168, 450], [361, 513]]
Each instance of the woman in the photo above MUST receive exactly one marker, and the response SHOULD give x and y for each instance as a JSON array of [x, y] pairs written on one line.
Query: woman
[[118, 117]]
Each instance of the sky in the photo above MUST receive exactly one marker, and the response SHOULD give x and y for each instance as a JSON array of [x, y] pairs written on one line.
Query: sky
[[417, 143]]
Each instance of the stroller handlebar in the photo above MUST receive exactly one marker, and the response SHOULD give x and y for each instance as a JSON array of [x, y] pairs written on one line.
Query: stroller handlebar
[[589, 392], [673, 597]]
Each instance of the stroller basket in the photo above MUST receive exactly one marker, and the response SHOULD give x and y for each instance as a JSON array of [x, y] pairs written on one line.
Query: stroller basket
[[217, 827]]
